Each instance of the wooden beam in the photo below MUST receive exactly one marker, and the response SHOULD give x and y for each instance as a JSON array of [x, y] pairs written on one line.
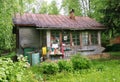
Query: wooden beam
[[99, 38], [71, 39], [80, 40], [60, 38], [90, 42], [48, 38]]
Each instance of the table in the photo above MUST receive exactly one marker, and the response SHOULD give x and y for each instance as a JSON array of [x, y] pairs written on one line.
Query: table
[[55, 56]]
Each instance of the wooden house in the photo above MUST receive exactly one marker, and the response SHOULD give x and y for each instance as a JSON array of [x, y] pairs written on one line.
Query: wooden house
[[72, 35]]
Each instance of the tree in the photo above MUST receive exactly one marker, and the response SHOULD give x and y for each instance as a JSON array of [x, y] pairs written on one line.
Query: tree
[[107, 12], [67, 5], [112, 17], [7, 10], [53, 9], [44, 8], [95, 7], [49, 8]]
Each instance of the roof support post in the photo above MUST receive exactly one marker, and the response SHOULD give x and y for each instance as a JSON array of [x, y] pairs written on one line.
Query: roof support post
[[80, 39], [60, 38], [71, 39], [99, 38], [48, 38], [89, 36]]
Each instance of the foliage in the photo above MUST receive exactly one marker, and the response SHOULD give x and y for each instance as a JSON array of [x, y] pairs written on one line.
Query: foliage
[[15, 72], [80, 62], [49, 8], [67, 5], [65, 65], [44, 8], [107, 12], [114, 47], [49, 68], [53, 9], [110, 73], [7, 10], [111, 16], [95, 7]]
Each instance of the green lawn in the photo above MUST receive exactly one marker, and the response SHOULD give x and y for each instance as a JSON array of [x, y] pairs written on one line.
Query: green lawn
[[102, 71], [114, 53]]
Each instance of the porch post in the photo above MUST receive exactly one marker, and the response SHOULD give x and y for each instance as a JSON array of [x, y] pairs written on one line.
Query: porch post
[[99, 38], [60, 38], [48, 38], [71, 39], [89, 36], [80, 40]]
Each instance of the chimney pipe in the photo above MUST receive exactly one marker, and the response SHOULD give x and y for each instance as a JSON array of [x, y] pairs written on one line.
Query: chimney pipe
[[72, 16]]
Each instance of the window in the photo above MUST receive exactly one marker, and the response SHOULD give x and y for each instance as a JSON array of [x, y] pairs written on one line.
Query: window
[[66, 37], [55, 36], [76, 38], [85, 38], [94, 38]]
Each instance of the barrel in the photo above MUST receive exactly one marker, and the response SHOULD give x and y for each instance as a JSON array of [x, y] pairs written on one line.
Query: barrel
[[35, 58], [28, 54]]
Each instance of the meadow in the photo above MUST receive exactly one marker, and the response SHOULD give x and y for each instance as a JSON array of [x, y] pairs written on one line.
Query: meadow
[[101, 70]]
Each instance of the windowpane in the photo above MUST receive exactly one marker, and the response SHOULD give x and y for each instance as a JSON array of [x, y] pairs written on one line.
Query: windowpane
[[55, 36], [85, 38], [75, 38], [66, 37], [94, 37]]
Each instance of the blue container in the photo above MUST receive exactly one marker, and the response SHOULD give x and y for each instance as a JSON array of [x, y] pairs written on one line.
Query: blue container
[[35, 58]]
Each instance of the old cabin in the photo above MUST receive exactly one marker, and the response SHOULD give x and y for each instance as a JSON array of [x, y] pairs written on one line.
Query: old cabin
[[59, 33]]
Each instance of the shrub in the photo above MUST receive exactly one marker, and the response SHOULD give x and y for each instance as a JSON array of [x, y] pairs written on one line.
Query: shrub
[[49, 68], [114, 47], [80, 62], [65, 65], [15, 72]]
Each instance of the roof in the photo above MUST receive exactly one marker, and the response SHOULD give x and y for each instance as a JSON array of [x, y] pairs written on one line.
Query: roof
[[44, 21]]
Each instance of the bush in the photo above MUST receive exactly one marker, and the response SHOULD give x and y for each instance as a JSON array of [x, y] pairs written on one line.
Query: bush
[[15, 72], [114, 47], [49, 68], [65, 65], [80, 62]]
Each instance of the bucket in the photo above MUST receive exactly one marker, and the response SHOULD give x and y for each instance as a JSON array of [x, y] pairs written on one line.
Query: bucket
[[35, 58]]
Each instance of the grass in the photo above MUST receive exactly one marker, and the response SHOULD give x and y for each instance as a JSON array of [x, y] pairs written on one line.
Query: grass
[[115, 53], [105, 71], [101, 71]]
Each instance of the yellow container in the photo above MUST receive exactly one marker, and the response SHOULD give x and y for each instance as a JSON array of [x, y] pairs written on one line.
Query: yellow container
[[44, 50]]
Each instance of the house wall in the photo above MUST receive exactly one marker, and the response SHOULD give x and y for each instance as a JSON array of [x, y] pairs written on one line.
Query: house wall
[[28, 37], [90, 48]]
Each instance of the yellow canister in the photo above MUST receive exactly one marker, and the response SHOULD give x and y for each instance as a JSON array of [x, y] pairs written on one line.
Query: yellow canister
[[44, 50]]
